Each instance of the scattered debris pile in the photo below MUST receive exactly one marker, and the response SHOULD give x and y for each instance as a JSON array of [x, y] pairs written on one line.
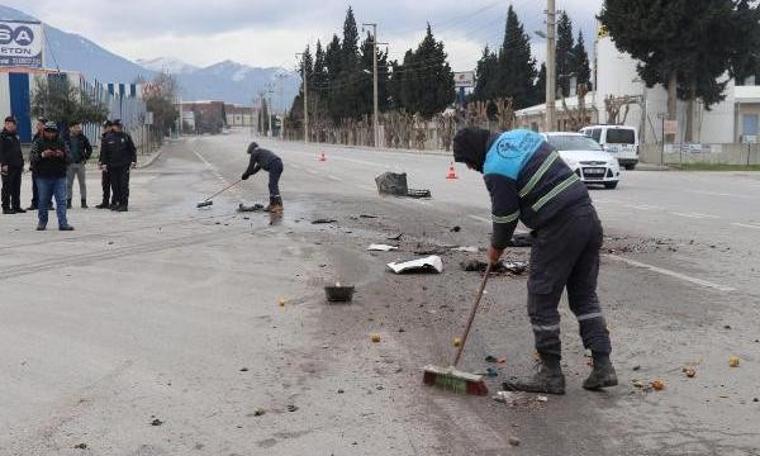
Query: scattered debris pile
[[431, 264], [395, 184], [502, 267]]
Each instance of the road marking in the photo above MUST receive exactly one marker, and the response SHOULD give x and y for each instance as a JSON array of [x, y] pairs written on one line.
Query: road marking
[[695, 215], [668, 272], [746, 225]]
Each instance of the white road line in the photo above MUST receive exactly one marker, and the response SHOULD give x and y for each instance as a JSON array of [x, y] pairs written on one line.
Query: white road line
[[747, 225], [676, 275]]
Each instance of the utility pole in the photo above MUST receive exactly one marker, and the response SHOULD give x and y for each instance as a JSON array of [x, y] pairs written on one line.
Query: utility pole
[[281, 96], [305, 100], [375, 94], [270, 91], [551, 64]]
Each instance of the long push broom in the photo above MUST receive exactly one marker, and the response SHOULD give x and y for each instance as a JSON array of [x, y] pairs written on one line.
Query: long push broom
[[451, 378], [208, 201]]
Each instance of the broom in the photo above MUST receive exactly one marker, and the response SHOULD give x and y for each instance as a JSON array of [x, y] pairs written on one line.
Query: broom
[[208, 201], [449, 377]]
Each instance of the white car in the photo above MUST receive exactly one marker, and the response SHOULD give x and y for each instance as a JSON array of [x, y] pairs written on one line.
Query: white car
[[619, 140], [586, 158]]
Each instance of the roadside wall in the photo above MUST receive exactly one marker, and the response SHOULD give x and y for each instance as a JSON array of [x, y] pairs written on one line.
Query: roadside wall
[[716, 154]]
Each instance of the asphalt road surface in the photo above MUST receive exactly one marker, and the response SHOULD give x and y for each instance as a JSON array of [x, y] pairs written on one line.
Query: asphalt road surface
[[170, 330]]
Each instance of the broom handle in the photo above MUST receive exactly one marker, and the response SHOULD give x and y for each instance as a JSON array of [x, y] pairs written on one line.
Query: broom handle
[[472, 314], [223, 190]]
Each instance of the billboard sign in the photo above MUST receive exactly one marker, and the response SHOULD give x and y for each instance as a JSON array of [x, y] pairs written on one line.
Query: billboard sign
[[464, 79], [21, 44]]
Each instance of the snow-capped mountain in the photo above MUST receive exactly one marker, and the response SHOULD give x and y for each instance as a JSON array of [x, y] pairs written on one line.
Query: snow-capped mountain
[[225, 81], [167, 64]]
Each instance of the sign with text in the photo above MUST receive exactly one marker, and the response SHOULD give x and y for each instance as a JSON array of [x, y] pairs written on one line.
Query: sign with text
[[21, 44], [464, 79], [671, 127]]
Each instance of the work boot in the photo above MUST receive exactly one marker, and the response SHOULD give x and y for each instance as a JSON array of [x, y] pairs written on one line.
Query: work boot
[[122, 208], [68, 203], [103, 205], [8, 211], [548, 380], [275, 205], [41, 227], [603, 375], [66, 228], [84, 204], [18, 210]]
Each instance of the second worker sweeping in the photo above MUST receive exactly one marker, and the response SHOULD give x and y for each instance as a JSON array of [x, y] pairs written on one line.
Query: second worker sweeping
[[271, 163]]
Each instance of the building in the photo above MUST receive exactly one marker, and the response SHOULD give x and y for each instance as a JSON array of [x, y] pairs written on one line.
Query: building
[[207, 116], [736, 119], [239, 116]]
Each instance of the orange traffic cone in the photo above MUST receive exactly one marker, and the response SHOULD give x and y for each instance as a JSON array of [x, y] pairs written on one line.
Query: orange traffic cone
[[452, 175], [322, 157]]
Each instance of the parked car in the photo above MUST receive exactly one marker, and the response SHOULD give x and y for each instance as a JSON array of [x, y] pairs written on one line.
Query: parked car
[[586, 158], [619, 140]]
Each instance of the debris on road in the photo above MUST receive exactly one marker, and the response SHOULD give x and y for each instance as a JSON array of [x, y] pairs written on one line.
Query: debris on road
[[542, 399], [381, 248], [292, 408], [375, 338], [431, 264], [514, 267], [396, 237], [244, 369], [259, 412], [281, 302], [396, 185], [368, 216], [255, 208], [514, 441], [466, 249], [456, 229], [80, 446], [323, 221], [505, 397], [690, 372], [734, 361], [457, 342], [657, 385], [156, 422], [339, 293]]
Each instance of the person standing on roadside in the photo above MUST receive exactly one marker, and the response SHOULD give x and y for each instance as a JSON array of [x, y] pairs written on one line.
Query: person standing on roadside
[[117, 155], [105, 177], [80, 151], [39, 127], [11, 167], [50, 159]]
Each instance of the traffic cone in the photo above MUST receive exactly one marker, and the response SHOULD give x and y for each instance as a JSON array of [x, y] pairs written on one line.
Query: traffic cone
[[452, 175], [322, 157]]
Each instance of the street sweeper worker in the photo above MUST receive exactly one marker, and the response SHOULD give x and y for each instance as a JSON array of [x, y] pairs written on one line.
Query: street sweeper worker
[[271, 163], [529, 182]]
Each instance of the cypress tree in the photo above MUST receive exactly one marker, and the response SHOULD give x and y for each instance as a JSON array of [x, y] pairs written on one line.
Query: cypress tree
[[565, 58], [582, 66], [517, 67], [487, 71]]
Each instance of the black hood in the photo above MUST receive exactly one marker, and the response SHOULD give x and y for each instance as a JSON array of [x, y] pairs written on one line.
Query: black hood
[[471, 147]]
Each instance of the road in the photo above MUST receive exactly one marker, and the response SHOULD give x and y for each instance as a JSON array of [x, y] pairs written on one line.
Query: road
[[199, 318]]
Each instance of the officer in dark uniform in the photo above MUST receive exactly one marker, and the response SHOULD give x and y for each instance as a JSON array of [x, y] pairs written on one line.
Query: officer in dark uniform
[[117, 155], [105, 178], [11, 167], [271, 163], [529, 182]]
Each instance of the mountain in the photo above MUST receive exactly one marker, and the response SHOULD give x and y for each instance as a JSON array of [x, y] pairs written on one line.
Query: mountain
[[167, 64], [226, 81]]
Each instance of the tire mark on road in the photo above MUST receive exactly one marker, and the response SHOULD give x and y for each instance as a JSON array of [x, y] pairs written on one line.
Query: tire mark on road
[[118, 252]]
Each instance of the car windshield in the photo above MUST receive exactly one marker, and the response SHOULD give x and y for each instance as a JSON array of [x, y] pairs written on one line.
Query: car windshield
[[620, 136], [562, 142]]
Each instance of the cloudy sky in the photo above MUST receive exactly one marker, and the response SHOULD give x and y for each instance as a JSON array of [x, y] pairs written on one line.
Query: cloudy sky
[[269, 32]]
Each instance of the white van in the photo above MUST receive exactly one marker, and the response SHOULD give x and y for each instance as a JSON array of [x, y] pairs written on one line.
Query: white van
[[619, 140]]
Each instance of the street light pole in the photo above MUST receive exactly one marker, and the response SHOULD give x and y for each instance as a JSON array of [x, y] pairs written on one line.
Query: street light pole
[[551, 68], [376, 107], [305, 100]]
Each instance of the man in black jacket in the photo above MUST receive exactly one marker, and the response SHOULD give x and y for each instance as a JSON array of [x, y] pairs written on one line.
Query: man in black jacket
[[117, 155], [50, 158], [39, 127], [271, 163], [105, 177], [80, 151], [529, 182], [11, 167]]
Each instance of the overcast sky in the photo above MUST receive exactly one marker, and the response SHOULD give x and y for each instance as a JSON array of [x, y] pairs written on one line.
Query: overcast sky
[[270, 32]]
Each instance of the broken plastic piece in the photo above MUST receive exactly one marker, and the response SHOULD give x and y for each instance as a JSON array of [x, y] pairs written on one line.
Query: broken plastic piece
[[432, 263], [381, 248]]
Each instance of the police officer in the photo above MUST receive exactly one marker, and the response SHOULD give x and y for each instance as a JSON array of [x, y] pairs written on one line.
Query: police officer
[[11, 167], [105, 179], [529, 182], [117, 155], [271, 163]]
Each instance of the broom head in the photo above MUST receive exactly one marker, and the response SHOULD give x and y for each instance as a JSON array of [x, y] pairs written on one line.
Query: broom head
[[449, 378]]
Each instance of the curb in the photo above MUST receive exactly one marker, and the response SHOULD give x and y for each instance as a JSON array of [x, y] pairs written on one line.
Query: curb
[[151, 160]]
